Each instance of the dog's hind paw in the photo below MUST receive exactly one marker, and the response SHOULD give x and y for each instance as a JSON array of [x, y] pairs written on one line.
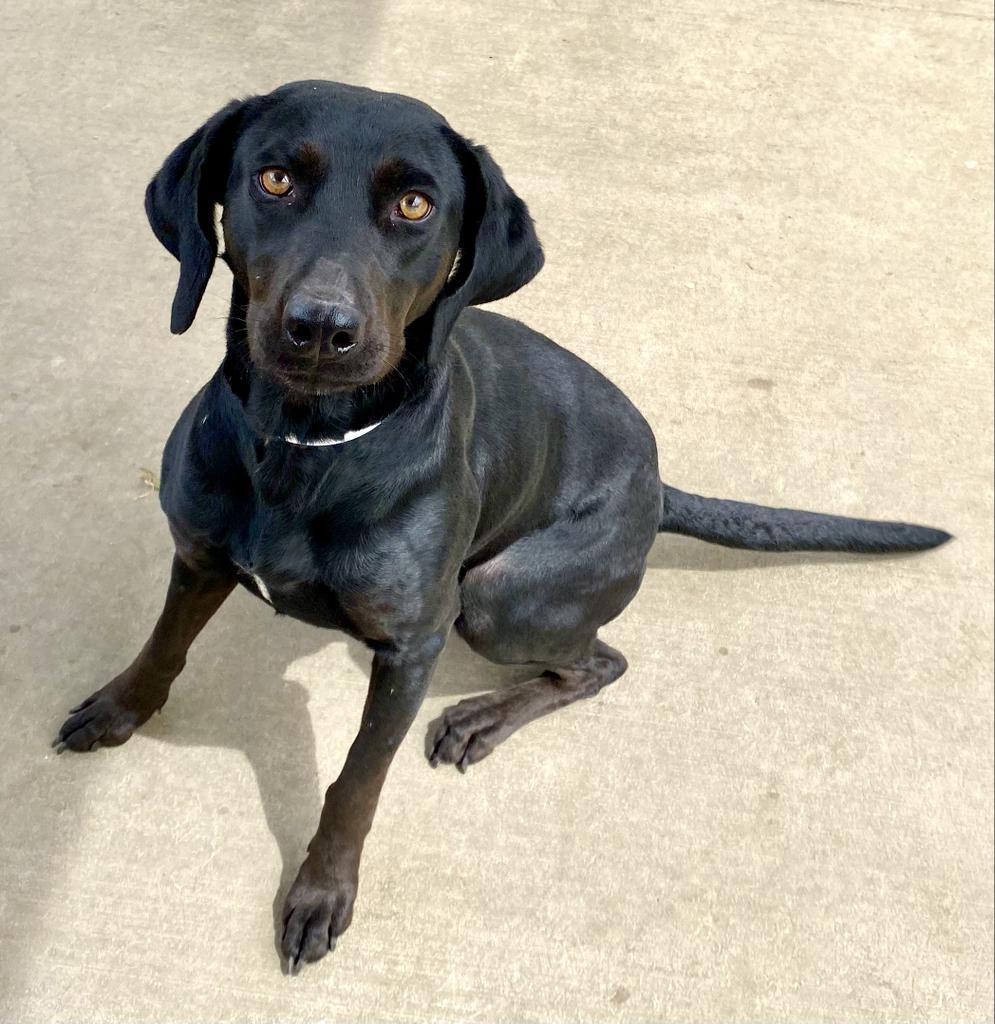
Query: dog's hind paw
[[467, 732]]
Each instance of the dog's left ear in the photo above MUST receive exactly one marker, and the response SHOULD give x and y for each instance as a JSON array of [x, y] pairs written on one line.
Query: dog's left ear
[[499, 250], [180, 201]]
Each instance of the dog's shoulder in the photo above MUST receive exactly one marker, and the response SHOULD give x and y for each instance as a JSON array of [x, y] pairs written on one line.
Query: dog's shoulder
[[203, 469], [526, 359], [478, 328]]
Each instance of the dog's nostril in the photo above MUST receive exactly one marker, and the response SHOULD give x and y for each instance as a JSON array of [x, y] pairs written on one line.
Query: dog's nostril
[[300, 332], [343, 330], [342, 341]]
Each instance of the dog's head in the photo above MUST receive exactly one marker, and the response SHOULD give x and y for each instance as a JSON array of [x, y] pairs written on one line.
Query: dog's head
[[350, 217]]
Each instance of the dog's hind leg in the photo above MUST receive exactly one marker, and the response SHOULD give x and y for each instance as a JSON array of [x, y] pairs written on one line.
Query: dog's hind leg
[[111, 715], [541, 601], [471, 729]]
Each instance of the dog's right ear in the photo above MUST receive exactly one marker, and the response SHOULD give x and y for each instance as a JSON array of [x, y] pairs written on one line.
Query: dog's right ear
[[180, 201]]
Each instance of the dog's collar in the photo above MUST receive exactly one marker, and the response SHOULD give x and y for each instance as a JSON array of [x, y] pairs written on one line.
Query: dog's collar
[[324, 442]]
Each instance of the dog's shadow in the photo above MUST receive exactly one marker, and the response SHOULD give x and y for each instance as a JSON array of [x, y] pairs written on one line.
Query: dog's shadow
[[688, 555], [237, 693]]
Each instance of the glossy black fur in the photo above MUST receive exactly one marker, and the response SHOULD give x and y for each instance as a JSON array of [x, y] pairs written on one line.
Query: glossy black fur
[[509, 491]]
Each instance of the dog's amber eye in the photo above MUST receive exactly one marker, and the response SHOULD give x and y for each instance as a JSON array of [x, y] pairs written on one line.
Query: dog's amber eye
[[276, 181], [414, 206]]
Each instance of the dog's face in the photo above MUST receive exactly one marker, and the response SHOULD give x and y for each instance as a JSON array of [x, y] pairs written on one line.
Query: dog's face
[[342, 215], [349, 217]]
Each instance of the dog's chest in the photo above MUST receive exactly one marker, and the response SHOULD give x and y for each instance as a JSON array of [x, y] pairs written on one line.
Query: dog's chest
[[297, 568]]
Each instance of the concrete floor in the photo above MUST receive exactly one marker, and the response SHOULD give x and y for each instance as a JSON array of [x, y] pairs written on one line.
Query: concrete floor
[[771, 224]]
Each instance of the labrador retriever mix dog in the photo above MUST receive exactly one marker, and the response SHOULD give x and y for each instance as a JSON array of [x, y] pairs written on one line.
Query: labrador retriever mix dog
[[377, 457]]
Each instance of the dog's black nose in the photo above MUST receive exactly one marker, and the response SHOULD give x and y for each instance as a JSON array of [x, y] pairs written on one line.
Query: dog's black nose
[[310, 323]]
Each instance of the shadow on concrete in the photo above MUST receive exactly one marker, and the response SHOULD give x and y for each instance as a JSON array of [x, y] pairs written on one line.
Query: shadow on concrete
[[235, 663], [243, 657], [685, 554]]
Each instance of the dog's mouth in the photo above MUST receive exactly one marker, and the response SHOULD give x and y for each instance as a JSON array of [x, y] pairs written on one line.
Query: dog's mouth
[[360, 364], [315, 368], [312, 380], [316, 379]]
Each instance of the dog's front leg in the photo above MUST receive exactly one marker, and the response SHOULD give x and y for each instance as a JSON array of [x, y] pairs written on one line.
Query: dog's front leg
[[318, 908], [108, 717]]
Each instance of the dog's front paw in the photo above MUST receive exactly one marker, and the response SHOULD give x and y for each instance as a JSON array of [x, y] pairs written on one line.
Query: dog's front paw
[[108, 717], [317, 911]]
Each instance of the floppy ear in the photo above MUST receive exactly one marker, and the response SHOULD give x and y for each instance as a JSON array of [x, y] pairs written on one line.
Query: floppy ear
[[499, 250], [180, 201]]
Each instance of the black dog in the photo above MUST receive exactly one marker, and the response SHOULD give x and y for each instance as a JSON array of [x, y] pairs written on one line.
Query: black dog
[[376, 457]]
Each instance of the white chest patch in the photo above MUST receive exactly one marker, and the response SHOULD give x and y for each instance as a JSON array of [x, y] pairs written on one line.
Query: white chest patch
[[263, 589]]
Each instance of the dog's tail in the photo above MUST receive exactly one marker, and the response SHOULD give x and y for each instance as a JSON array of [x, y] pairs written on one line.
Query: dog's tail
[[758, 528]]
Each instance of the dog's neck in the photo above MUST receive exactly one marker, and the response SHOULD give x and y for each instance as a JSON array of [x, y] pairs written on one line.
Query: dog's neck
[[313, 421]]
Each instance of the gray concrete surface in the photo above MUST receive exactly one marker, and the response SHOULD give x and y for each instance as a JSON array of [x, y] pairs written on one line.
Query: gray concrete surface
[[771, 224]]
